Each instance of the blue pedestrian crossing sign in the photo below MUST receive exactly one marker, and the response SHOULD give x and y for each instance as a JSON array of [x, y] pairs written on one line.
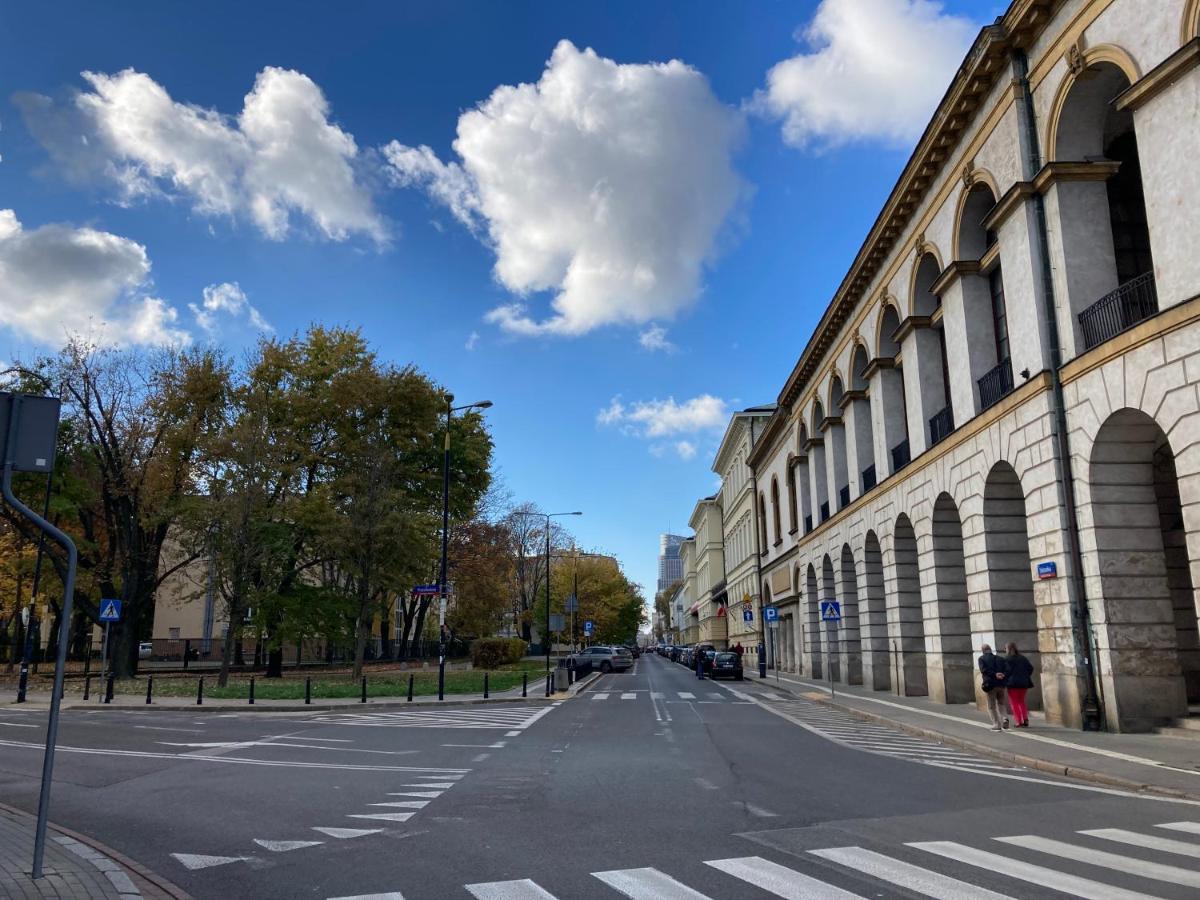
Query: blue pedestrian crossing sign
[[110, 610], [831, 611], [770, 614], [588, 626], [747, 614]]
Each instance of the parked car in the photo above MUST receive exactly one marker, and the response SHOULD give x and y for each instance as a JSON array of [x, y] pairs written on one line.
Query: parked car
[[145, 649], [726, 664], [634, 649], [606, 659], [673, 652]]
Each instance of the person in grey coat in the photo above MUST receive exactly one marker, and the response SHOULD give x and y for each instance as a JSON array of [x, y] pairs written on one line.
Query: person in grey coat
[[994, 672]]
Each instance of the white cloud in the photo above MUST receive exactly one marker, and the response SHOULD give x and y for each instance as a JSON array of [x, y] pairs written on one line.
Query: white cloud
[[226, 299], [662, 418], [58, 280], [605, 183], [655, 338], [875, 69], [280, 157], [685, 449], [472, 340]]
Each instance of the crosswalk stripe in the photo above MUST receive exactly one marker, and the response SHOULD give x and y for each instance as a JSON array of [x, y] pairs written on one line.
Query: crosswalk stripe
[[906, 875], [1049, 878], [524, 889], [686, 695], [404, 804], [390, 895], [442, 777], [715, 695], [740, 695], [629, 696], [1149, 841], [600, 696], [778, 880], [444, 785], [383, 817], [648, 884], [1189, 827], [770, 695], [656, 695], [427, 794], [1104, 859]]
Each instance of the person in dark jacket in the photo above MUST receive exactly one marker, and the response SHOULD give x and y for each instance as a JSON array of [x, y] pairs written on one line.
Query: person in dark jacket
[[700, 663], [1018, 679], [994, 672]]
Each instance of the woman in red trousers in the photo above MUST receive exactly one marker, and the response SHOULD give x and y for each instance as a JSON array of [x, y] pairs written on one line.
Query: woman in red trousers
[[1018, 679]]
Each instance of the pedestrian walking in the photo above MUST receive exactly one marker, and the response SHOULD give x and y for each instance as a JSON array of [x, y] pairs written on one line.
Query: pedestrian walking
[[994, 672], [739, 649], [1018, 679], [699, 663]]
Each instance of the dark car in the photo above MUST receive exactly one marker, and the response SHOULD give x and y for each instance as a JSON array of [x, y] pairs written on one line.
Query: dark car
[[634, 649], [673, 652], [726, 664]]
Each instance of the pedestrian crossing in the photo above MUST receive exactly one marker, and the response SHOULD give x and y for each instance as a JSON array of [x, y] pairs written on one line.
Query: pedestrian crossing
[[697, 696], [884, 740], [504, 717], [948, 870]]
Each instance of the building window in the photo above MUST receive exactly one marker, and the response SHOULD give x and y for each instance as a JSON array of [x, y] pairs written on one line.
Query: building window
[[999, 314], [174, 634], [793, 518], [775, 509]]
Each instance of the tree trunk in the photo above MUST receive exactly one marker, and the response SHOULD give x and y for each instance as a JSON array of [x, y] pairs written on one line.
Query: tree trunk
[[385, 637], [275, 663], [226, 658]]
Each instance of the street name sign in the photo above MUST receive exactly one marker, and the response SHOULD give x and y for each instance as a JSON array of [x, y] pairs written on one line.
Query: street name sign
[[831, 611], [1047, 570], [770, 614], [110, 610], [426, 590]]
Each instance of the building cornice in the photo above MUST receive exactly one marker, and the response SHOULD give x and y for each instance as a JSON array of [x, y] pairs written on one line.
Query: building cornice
[[983, 66], [1160, 77], [909, 325]]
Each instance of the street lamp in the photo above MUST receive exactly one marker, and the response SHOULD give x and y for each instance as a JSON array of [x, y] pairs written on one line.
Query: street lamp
[[451, 409]]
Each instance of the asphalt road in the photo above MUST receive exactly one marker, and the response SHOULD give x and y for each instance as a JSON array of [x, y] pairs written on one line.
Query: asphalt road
[[651, 784]]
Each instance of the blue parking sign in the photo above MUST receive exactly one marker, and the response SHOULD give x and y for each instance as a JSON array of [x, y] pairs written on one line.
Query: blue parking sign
[[770, 614], [588, 626]]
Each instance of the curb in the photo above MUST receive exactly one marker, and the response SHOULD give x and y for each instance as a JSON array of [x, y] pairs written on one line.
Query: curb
[[168, 888], [260, 708], [1029, 762]]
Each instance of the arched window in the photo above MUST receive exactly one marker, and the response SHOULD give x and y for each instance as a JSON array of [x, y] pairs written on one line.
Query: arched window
[[989, 352], [775, 509], [762, 522], [928, 339], [793, 518]]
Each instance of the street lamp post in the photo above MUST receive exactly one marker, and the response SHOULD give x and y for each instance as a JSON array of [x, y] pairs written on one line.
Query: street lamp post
[[451, 409]]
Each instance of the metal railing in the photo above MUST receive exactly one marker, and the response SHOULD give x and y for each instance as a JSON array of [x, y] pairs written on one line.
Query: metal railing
[[995, 385], [901, 456], [868, 478], [1135, 300], [941, 424], [825, 511], [843, 496], [807, 524]]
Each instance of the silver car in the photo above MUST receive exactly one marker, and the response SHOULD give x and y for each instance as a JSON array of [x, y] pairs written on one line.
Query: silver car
[[606, 659]]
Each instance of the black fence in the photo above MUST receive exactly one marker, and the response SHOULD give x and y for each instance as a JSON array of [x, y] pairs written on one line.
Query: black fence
[[843, 496], [941, 424], [868, 478], [996, 384], [1135, 300], [901, 456]]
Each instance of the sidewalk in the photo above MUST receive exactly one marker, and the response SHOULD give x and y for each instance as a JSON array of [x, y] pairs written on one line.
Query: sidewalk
[[74, 866], [1159, 764]]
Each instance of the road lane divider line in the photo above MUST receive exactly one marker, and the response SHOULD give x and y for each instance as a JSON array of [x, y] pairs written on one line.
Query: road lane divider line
[[906, 875], [779, 880]]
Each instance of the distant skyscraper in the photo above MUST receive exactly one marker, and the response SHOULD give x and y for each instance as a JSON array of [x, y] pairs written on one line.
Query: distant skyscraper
[[670, 566]]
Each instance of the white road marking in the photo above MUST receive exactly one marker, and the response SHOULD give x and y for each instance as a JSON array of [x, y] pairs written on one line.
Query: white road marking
[[512, 734], [480, 757], [600, 696], [647, 884], [656, 695], [21, 725], [431, 784], [686, 695], [404, 804], [740, 695], [194, 861], [906, 875], [1104, 859], [1048, 878], [629, 696], [779, 880], [383, 817], [322, 740], [445, 777], [965, 767], [1149, 841], [429, 794], [164, 728], [391, 895], [499, 745], [759, 811], [1189, 827], [234, 760], [346, 833], [509, 890], [285, 846]]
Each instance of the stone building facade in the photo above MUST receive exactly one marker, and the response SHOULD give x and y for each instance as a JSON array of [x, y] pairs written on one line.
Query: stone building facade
[[993, 434]]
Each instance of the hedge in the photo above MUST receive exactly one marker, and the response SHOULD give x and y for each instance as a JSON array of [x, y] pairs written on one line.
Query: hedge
[[488, 653]]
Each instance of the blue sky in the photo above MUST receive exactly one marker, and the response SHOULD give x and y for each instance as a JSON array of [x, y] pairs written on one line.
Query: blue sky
[[670, 232]]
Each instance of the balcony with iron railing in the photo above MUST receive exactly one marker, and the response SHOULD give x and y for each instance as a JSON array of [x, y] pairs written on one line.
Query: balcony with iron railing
[[1135, 300], [941, 424], [868, 478], [843, 496], [995, 385], [825, 511], [807, 524], [901, 456]]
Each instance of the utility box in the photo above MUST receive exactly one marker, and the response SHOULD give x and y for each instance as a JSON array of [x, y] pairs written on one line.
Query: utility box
[[561, 678]]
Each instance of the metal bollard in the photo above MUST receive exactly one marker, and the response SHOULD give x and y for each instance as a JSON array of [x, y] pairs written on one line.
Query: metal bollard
[[547, 684], [524, 684], [87, 686], [200, 691], [410, 686], [108, 689], [149, 688], [251, 690], [187, 651], [307, 691], [364, 689], [485, 685]]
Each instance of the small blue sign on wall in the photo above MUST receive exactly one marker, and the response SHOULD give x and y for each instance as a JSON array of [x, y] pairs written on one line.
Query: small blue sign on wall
[[747, 615], [1047, 570]]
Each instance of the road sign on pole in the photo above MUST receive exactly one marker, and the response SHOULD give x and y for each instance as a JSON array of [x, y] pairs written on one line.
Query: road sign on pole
[[572, 604], [771, 614], [831, 611], [110, 610], [588, 627], [426, 590]]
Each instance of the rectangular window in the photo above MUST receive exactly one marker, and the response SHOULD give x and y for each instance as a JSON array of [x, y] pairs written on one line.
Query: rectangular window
[[999, 314], [174, 634]]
